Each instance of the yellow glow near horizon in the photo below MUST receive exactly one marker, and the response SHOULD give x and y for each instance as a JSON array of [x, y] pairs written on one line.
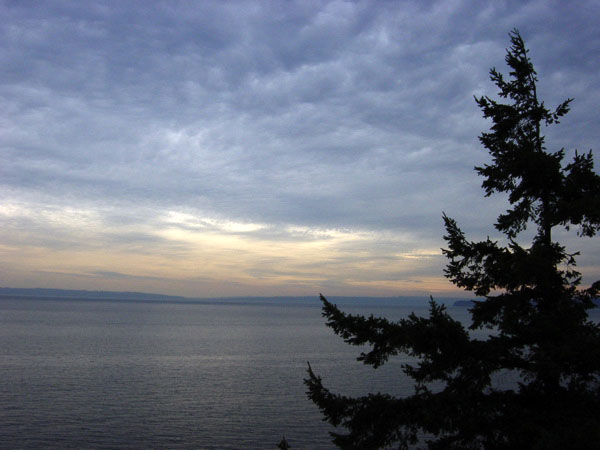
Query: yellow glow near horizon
[[184, 254], [180, 253]]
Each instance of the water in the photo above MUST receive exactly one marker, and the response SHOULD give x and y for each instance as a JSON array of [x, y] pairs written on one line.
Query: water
[[131, 374], [106, 374]]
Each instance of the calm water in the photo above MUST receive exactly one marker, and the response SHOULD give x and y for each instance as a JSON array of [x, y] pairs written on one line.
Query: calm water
[[106, 374]]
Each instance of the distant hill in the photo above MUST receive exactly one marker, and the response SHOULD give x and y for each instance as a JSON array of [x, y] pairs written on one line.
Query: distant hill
[[463, 303], [67, 293], [142, 296]]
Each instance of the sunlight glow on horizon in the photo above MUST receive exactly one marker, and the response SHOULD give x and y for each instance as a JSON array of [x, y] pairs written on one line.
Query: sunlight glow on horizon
[[200, 253]]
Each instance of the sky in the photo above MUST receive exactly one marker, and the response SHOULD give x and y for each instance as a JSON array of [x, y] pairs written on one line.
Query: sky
[[258, 148]]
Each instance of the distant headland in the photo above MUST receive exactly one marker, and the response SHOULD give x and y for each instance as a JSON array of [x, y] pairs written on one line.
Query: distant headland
[[83, 294], [464, 303], [44, 293]]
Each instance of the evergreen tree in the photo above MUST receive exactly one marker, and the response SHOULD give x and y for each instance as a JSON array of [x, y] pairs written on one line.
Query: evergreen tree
[[536, 312], [283, 444]]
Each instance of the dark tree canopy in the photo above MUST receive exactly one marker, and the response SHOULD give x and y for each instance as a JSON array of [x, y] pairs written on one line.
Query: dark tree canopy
[[536, 312]]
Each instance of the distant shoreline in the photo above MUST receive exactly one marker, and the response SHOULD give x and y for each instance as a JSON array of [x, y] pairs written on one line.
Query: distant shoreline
[[82, 294], [64, 294]]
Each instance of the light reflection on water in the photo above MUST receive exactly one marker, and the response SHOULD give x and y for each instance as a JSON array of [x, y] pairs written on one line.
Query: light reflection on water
[[106, 374]]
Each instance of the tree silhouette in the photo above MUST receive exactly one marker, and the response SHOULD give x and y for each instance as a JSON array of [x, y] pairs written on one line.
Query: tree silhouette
[[540, 333], [283, 444]]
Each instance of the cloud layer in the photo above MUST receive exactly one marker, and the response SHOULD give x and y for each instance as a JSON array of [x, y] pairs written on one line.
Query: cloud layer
[[232, 148]]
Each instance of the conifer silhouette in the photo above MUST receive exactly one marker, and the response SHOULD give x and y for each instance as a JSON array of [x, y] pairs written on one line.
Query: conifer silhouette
[[540, 333]]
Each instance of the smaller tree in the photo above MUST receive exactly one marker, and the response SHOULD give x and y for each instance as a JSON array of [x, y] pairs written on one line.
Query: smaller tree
[[542, 334], [283, 444]]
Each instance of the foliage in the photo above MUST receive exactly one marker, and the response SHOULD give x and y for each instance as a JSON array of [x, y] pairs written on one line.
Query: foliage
[[283, 444], [536, 312]]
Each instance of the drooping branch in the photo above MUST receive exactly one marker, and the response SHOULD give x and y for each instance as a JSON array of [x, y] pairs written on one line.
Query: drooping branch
[[416, 336]]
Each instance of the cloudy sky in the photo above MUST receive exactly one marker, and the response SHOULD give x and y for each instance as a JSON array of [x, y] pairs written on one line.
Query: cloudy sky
[[211, 148]]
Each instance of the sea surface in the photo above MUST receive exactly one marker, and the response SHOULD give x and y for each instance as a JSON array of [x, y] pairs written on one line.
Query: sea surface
[[211, 375]]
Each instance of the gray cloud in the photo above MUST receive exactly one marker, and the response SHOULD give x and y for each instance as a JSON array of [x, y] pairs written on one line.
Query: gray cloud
[[322, 114]]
